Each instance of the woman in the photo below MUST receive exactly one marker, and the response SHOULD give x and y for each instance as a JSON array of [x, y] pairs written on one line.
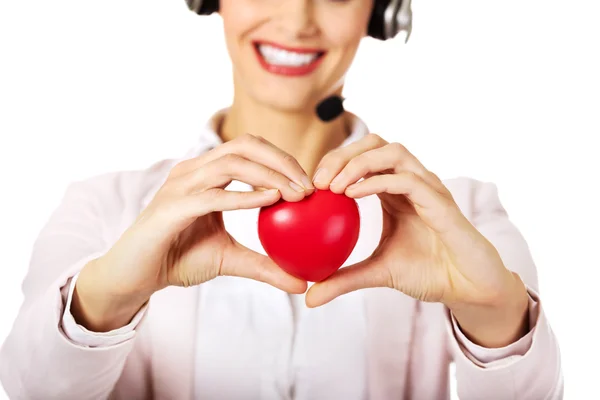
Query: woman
[[439, 274]]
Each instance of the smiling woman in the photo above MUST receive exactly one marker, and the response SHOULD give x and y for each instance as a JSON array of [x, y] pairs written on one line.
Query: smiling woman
[[325, 33], [154, 284]]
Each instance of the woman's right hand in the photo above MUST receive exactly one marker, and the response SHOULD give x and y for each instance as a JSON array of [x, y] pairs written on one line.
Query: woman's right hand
[[179, 239]]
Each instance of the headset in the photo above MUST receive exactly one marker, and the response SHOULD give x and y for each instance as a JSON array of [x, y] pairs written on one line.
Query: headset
[[389, 17]]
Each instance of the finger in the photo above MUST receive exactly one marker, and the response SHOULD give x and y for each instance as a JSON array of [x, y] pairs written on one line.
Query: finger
[[260, 151], [438, 211], [220, 172], [335, 161], [366, 274], [175, 215], [392, 157], [218, 200], [245, 263]]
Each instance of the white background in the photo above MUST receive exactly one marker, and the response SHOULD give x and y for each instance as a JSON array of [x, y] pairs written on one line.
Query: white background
[[502, 91]]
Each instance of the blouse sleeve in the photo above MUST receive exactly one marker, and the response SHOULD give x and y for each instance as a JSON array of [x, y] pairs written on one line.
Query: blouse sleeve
[[529, 369]]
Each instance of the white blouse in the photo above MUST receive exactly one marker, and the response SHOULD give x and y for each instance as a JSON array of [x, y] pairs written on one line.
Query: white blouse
[[256, 342]]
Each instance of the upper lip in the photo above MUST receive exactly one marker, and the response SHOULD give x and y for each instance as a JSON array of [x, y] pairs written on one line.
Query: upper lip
[[302, 50]]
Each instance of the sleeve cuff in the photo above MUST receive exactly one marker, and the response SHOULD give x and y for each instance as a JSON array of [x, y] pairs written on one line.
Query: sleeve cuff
[[86, 338], [486, 357]]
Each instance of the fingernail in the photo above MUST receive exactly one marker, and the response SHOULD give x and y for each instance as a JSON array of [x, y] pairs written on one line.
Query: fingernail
[[337, 179], [307, 183], [296, 187], [318, 175]]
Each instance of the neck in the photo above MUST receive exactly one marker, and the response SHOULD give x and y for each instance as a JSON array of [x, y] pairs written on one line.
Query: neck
[[300, 134]]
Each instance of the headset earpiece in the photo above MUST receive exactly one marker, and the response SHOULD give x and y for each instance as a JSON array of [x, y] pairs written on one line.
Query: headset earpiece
[[389, 17], [203, 7]]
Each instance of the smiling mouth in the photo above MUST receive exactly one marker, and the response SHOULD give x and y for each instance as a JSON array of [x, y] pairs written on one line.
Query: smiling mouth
[[288, 61]]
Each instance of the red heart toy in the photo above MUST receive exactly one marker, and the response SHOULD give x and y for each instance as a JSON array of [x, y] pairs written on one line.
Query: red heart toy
[[312, 238]]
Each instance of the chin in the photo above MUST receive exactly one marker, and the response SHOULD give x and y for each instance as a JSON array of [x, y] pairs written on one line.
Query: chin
[[290, 79]]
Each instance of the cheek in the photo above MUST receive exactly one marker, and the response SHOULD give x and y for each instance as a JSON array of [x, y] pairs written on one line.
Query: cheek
[[344, 42], [345, 32], [239, 17]]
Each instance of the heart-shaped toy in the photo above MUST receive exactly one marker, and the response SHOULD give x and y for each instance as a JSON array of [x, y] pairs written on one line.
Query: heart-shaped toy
[[312, 238]]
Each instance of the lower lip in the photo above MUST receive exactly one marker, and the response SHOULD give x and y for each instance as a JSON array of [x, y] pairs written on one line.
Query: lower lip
[[287, 70]]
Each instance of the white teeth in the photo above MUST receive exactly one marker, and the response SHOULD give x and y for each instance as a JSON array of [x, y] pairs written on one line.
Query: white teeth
[[275, 56]]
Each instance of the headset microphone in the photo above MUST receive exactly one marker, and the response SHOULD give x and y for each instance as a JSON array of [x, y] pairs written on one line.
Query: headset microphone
[[330, 108]]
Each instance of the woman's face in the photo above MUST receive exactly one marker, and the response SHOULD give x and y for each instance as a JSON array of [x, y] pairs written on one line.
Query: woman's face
[[290, 54]]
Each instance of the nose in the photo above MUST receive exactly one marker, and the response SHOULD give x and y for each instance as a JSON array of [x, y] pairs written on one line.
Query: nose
[[296, 18]]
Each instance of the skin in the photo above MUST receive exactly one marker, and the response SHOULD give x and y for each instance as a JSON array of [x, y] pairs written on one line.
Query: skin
[[278, 108], [429, 250]]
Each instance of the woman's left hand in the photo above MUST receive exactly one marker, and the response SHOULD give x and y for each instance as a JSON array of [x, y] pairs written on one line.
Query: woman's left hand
[[428, 250]]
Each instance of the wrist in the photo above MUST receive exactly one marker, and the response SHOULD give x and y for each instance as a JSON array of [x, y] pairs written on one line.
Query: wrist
[[499, 323], [99, 308]]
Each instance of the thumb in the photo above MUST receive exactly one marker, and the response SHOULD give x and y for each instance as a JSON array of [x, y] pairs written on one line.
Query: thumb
[[240, 261], [365, 274]]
